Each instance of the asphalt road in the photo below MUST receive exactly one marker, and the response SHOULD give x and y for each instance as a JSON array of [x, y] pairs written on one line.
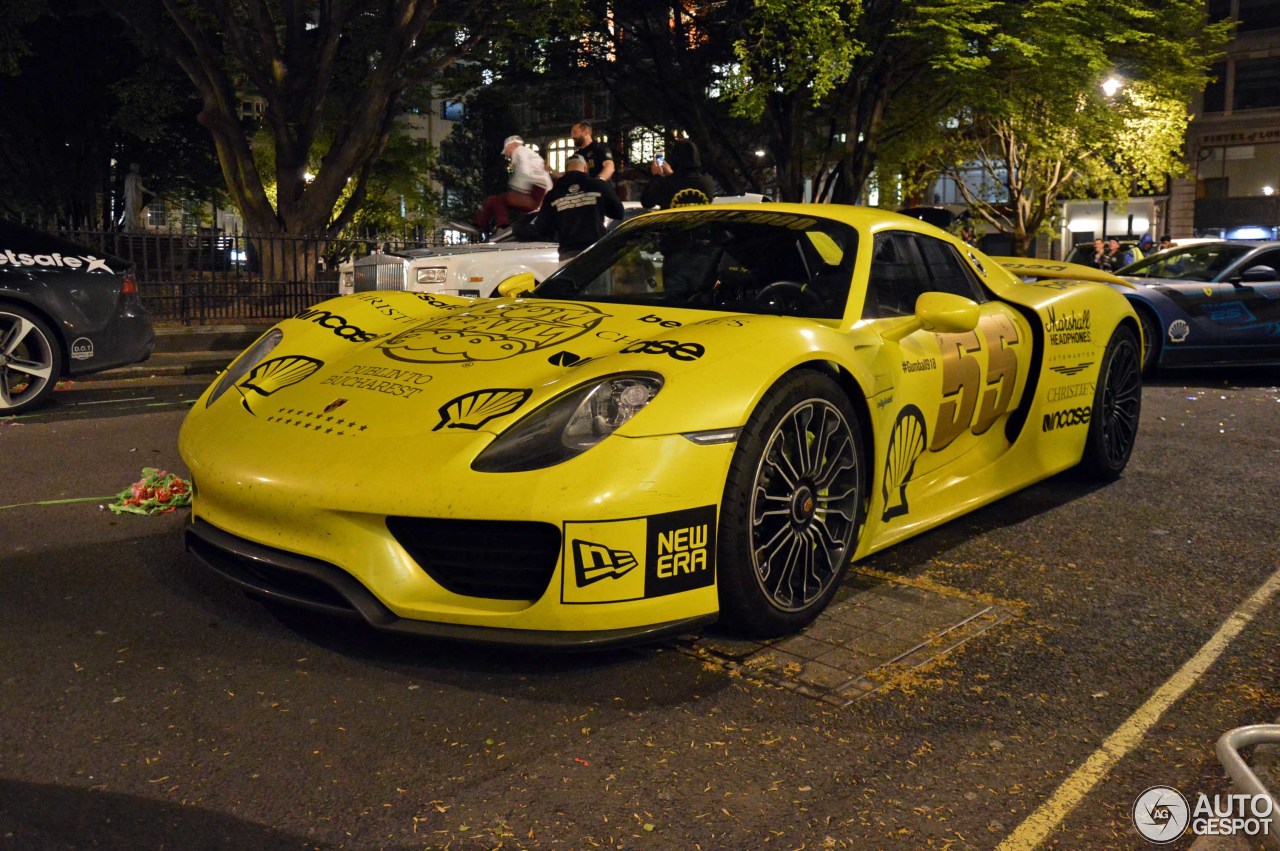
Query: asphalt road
[[146, 704]]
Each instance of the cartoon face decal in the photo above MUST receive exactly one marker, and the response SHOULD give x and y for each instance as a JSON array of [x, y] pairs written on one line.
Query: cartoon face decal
[[492, 332]]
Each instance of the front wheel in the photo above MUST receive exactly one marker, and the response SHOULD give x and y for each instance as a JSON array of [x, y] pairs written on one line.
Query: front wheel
[[30, 360], [792, 507], [1117, 404]]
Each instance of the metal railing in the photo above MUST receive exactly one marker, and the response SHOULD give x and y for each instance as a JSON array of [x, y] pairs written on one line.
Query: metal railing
[[1244, 777], [203, 275]]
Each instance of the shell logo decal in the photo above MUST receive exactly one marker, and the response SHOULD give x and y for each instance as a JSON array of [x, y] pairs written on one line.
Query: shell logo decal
[[473, 410], [906, 444], [276, 374], [492, 332]]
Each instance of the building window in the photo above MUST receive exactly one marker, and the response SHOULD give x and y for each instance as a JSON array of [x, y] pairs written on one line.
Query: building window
[[643, 145], [452, 110], [1258, 15], [1215, 94], [1255, 84], [558, 151], [1238, 171]]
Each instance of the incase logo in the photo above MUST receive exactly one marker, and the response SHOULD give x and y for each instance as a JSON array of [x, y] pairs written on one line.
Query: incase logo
[[678, 351], [1066, 418], [339, 326], [593, 562]]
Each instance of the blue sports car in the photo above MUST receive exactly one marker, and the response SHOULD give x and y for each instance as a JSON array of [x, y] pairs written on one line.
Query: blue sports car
[[1209, 304]]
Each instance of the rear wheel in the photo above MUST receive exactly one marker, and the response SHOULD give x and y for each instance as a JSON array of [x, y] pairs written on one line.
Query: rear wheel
[[792, 507], [30, 360], [1117, 404]]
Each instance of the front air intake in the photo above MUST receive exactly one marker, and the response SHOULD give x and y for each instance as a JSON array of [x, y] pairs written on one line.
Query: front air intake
[[498, 559]]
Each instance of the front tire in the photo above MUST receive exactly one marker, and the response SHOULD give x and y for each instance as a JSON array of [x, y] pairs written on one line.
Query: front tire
[[792, 507], [30, 360], [1117, 405]]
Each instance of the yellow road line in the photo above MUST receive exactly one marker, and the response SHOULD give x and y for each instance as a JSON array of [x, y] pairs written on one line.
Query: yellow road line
[[1037, 826]]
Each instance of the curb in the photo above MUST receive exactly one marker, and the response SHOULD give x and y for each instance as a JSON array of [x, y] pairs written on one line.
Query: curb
[[207, 338]]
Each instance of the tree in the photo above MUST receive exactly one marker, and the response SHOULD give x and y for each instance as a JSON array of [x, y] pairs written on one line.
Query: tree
[[72, 128], [333, 76], [822, 76], [1038, 125], [660, 62]]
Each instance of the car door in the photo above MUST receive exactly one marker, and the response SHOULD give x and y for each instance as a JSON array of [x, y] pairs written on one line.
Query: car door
[[1254, 303], [952, 392]]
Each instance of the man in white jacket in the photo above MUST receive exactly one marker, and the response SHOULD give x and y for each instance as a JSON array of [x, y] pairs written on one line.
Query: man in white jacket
[[529, 181]]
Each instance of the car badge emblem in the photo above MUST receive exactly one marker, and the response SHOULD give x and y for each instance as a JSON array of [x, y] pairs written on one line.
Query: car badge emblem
[[334, 405]]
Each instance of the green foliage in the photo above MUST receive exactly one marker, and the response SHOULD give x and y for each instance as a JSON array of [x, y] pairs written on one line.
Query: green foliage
[[794, 46], [334, 77], [1038, 124]]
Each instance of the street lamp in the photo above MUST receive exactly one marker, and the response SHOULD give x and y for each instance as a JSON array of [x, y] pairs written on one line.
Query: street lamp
[[1111, 86]]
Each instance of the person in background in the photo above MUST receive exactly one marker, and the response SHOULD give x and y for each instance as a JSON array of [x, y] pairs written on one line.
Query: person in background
[[1117, 257], [1146, 244], [573, 212], [678, 181], [528, 183], [1166, 241], [596, 155], [1100, 255]]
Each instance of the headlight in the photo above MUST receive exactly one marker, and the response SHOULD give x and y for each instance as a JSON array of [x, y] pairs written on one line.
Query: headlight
[[433, 275], [248, 359], [570, 424]]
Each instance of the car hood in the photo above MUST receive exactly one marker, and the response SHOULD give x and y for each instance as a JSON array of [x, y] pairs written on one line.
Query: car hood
[[481, 248], [480, 366]]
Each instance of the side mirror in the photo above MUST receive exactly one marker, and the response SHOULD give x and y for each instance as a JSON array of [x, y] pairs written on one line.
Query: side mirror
[[946, 313], [517, 285], [1258, 275], [943, 313]]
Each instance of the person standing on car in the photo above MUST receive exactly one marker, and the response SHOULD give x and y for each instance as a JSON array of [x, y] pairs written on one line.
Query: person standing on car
[[526, 187], [679, 181], [596, 155], [573, 212]]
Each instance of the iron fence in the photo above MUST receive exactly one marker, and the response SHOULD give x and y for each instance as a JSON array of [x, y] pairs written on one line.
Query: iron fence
[[204, 275]]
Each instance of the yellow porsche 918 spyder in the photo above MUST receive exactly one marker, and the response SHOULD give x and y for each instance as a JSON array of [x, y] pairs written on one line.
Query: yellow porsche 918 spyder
[[708, 414]]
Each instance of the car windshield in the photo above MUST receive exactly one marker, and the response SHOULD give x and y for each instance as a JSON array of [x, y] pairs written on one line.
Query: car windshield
[[724, 260], [1204, 262]]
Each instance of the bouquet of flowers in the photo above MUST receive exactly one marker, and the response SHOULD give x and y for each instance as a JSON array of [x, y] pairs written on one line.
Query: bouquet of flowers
[[157, 492]]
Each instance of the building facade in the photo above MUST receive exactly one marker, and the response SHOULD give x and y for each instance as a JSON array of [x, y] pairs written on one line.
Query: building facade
[[1233, 142]]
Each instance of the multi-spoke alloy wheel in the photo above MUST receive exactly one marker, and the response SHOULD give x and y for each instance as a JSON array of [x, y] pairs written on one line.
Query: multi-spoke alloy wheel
[[30, 360], [1117, 405], [792, 508]]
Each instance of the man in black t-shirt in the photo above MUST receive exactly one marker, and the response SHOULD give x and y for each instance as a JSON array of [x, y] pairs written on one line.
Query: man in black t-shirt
[[679, 181], [598, 157], [573, 212]]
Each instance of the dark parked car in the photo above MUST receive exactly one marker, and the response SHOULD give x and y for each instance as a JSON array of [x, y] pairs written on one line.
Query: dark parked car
[[1208, 304], [65, 310]]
